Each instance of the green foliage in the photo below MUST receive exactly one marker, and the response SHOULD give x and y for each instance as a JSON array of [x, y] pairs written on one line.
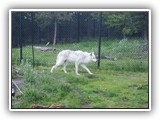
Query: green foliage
[[117, 84], [126, 22], [128, 52], [48, 18], [73, 25]]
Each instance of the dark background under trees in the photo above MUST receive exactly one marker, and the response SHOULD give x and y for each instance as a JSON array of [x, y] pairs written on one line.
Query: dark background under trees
[[69, 27]]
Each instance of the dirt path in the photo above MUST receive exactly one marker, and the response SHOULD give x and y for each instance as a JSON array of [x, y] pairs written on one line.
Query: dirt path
[[72, 87], [85, 105]]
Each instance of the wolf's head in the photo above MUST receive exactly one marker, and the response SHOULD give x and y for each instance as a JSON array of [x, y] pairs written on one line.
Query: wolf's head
[[93, 57]]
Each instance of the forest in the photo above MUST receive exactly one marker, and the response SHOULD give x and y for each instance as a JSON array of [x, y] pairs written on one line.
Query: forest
[[69, 27]]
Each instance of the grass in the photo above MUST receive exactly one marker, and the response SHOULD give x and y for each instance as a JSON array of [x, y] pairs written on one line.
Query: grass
[[116, 84]]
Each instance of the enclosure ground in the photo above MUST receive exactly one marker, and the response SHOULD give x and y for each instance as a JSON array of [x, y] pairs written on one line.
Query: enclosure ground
[[121, 83], [104, 89]]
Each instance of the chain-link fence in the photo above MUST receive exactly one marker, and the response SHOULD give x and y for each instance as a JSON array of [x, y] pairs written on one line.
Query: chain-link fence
[[119, 36], [119, 40]]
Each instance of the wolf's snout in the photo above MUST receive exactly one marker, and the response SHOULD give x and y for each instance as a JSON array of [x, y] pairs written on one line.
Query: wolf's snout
[[94, 60]]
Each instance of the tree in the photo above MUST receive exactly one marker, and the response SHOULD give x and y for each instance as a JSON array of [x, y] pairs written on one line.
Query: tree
[[140, 20], [121, 21], [128, 23], [48, 18], [21, 22]]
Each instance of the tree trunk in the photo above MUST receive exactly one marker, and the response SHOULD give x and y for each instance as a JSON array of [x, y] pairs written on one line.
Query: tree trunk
[[145, 32], [124, 36], [78, 27], [55, 32], [145, 35]]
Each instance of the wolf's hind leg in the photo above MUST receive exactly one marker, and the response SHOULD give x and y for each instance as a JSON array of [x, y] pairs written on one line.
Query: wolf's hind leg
[[53, 67], [65, 64], [56, 65]]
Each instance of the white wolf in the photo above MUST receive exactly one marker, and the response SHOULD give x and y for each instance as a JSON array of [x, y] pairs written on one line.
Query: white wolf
[[79, 57]]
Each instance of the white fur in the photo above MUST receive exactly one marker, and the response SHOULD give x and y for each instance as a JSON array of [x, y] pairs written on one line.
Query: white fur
[[79, 57]]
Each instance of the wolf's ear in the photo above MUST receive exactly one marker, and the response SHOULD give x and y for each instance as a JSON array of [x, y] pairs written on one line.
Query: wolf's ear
[[91, 53]]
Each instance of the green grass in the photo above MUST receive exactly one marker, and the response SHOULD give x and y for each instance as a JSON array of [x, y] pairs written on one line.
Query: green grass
[[116, 84]]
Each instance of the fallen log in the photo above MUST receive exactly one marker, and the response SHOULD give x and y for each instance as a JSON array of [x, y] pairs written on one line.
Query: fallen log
[[44, 48], [51, 106], [57, 106], [39, 106], [110, 58], [16, 89]]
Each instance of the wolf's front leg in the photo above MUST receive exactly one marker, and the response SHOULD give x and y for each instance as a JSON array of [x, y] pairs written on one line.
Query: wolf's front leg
[[76, 68], [86, 69]]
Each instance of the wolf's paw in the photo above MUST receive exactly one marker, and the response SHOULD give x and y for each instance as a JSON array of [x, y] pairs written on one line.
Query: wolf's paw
[[64, 71]]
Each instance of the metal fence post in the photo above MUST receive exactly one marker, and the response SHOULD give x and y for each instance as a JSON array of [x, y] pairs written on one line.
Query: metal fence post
[[20, 36], [32, 15], [99, 39]]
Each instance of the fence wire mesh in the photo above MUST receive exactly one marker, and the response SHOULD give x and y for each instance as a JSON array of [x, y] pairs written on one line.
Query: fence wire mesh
[[123, 39]]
